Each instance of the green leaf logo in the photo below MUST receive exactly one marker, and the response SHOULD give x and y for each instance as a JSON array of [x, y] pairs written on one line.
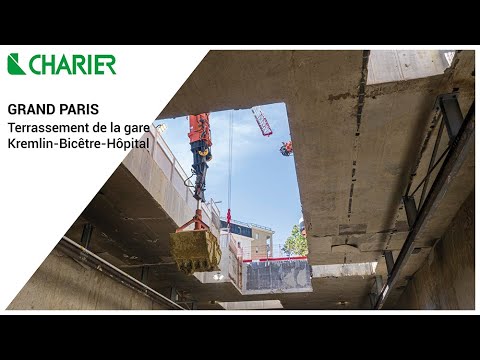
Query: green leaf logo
[[13, 67]]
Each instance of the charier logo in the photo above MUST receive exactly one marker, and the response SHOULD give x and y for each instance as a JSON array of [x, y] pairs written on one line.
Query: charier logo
[[42, 64]]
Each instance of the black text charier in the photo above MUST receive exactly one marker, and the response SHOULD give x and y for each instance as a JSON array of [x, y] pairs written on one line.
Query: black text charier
[[50, 109]]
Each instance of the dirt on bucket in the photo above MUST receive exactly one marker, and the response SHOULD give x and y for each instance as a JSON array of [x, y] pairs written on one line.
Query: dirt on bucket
[[195, 251]]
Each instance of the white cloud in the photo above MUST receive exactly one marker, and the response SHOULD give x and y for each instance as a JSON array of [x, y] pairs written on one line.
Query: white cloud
[[245, 130]]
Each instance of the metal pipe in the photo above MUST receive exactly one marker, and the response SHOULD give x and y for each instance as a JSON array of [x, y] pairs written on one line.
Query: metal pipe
[[79, 253], [451, 166]]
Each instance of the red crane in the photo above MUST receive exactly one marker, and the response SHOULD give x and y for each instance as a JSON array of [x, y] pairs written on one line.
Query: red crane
[[262, 121]]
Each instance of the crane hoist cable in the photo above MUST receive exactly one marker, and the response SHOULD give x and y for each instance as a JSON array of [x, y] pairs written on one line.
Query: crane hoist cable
[[230, 156]]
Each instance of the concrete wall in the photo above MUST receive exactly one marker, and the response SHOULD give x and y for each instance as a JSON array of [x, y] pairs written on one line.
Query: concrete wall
[[60, 283], [276, 277], [446, 280]]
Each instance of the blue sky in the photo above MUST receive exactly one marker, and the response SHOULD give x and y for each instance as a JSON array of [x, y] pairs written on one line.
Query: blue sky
[[264, 183]]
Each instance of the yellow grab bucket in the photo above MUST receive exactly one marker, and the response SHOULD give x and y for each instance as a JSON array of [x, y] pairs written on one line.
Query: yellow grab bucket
[[195, 251]]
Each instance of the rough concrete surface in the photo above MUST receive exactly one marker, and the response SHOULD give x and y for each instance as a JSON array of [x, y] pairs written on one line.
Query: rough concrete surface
[[60, 283], [446, 281], [276, 277]]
